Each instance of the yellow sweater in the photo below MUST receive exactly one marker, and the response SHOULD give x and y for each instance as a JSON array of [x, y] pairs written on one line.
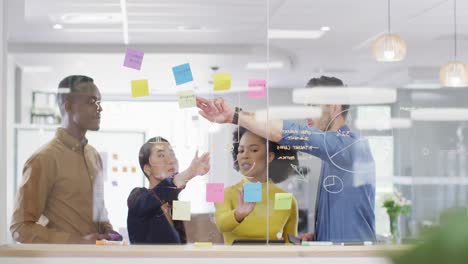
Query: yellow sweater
[[254, 226]]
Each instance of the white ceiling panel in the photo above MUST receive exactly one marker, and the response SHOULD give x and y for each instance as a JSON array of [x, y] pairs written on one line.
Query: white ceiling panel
[[344, 51]]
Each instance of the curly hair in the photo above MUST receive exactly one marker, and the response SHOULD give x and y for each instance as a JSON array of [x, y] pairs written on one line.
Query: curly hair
[[280, 168]]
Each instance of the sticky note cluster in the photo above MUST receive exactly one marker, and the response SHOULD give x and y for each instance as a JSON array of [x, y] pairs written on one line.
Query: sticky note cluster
[[283, 201], [186, 99], [181, 210], [252, 192], [215, 192], [183, 74]]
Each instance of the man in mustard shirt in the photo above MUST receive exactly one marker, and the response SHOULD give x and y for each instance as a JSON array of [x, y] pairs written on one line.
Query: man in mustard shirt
[[63, 181]]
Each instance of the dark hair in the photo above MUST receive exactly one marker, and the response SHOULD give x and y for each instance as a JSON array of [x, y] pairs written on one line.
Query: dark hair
[[280, 168], [68, 86], [145, 152], [328, 81]]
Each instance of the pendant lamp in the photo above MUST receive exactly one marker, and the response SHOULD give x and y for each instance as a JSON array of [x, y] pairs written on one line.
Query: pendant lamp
[[454, 73], [389, 47]]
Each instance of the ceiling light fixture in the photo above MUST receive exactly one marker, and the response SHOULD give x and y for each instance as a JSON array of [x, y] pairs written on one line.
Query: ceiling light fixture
[[123, 9], [389, 47], [37, 69], [344, 95], [57, 26], [423, 85], [294, 34], [440, 114], [454, 73], [91, 18], [190, 28], [288, 112], [383, 124], [325, 28], [264, 65]]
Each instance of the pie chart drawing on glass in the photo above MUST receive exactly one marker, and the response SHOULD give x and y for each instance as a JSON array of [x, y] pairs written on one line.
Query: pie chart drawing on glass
[[353, 146], [333, 184]]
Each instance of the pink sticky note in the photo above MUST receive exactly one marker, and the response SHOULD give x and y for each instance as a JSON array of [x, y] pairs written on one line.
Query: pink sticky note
[[257, 88], [215, 192], [133, 58]]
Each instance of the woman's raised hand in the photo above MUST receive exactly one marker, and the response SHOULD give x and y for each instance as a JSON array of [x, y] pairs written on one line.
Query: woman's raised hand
[[200, 165], [243, 208]]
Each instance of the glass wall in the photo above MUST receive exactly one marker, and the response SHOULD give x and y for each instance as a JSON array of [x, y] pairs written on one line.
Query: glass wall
[[233, 122], [148, 61]]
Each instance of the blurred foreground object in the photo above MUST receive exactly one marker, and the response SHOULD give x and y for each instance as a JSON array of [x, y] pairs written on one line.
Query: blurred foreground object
[[447, 243]]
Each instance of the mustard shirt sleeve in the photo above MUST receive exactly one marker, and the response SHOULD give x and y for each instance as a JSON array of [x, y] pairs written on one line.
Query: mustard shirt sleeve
[[224, 215], [104, 224], [38, 181], [292, 223], [106, 227]]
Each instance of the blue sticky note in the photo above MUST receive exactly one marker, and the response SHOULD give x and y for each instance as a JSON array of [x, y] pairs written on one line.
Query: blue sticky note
[[252, 192], [182, 74]]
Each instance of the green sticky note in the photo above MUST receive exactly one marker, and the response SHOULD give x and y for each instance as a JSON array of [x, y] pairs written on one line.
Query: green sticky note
[[140, 88], [222, 81], [186, 99], [181, 210], [283, 201]]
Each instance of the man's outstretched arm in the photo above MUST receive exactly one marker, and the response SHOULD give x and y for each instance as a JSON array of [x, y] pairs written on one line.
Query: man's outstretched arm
[[219, 111]]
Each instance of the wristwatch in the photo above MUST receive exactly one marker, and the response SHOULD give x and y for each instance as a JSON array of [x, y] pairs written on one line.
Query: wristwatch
[[235, 118]]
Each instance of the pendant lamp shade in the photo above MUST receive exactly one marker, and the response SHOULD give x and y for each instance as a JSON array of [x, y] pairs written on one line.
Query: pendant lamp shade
[[389, 48], [454, 74]]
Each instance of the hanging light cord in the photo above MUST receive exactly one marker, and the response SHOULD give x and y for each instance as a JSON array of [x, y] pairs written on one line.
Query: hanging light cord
[[455, 28], [389, 28]]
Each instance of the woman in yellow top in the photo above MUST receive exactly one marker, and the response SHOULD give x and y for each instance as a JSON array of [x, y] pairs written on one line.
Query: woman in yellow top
[[237, 219]]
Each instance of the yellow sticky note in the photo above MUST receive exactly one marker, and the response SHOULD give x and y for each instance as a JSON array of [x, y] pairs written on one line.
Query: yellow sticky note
[[140, 88], [181, 210], [203, 244], [283, 201], [222, 81], [186, 99]]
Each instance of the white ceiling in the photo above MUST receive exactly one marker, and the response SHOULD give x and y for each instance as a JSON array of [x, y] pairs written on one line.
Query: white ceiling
[[231, 33]]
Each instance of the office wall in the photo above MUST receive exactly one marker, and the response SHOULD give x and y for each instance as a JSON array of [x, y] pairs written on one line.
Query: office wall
[[10, 143], [3, 98]]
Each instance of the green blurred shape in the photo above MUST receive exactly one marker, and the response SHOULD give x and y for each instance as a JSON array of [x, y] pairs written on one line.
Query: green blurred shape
[[445, 244]]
